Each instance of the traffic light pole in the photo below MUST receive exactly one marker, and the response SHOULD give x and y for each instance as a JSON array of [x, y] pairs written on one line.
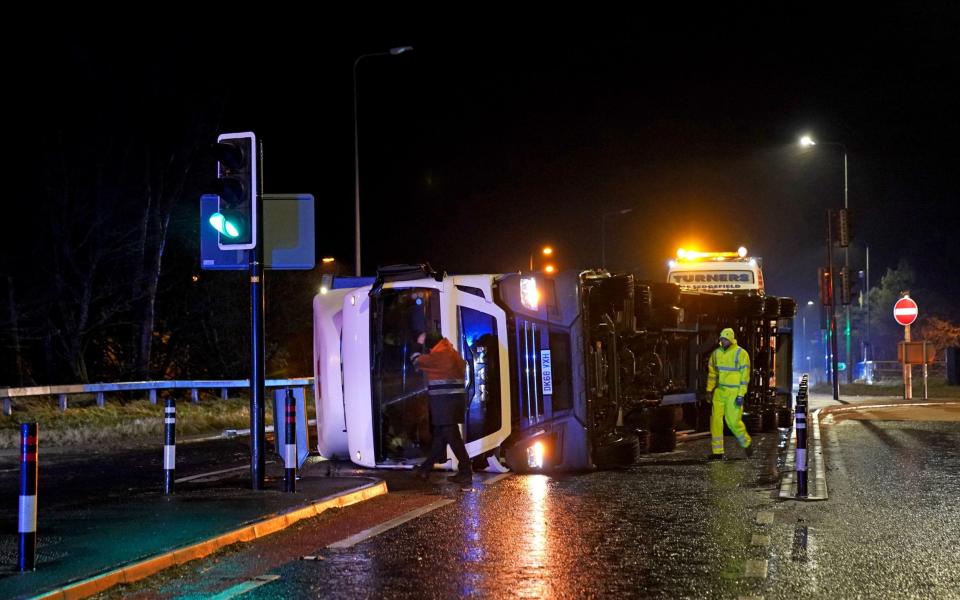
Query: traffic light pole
[[257, 372], [833, 310]]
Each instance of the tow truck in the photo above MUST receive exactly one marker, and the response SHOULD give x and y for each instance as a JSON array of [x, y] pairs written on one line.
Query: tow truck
[[567, 371]]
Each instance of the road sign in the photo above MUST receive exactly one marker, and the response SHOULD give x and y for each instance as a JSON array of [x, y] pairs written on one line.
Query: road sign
[[288, 233], [905, 311]]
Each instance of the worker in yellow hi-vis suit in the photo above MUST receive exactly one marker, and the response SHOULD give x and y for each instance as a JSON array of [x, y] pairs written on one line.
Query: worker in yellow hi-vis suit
[[729, 374]]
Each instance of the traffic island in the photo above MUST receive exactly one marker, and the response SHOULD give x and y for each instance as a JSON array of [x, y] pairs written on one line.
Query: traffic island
[[84, 550]]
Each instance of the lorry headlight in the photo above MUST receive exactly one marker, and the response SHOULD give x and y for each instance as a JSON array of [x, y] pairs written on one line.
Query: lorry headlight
[[535, 455], [529, 294]]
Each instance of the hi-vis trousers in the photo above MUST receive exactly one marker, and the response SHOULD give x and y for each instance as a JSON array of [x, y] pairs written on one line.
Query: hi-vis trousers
[[727, 409]]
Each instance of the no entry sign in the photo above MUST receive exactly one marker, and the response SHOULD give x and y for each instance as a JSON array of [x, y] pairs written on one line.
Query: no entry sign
[[905, 311]]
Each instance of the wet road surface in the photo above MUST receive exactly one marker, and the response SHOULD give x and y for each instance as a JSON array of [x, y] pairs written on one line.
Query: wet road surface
[[671, 526]]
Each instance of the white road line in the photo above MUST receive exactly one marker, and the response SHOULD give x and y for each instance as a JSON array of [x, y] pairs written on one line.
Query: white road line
[[388, 525], [765, 518], [760, 540], [212, 473], [755, 568], [243, 588]]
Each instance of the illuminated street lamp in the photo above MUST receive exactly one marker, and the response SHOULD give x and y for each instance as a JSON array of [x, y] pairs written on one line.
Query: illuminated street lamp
[[545, 251], [356, 148]]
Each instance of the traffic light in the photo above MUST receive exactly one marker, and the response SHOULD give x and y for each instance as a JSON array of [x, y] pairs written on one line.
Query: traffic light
[[825, 284], [238, 191], [843, 229], [845, 284]]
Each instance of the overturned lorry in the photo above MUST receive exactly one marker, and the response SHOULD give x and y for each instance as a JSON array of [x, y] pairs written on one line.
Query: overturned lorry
[[568, 371]]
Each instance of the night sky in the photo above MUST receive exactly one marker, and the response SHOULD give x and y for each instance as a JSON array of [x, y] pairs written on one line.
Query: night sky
[[498, 134]]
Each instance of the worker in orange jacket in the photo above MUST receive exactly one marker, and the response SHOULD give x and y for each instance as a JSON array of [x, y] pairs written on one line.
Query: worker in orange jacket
[[444, 369]]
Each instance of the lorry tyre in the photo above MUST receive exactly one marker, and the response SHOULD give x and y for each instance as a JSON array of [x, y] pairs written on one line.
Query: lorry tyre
[[665, 317], [664, 294], [788, 308], [663, 441], [641, 305], [663, 418], [754, 421], [784, 418], [771, 307], [769, 418], [616, 450], [643, 440], [750, 306]]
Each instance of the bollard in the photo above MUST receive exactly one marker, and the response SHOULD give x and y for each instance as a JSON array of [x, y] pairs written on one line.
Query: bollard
[[801, 458], [27, 525], [290, 444], [169, 444]]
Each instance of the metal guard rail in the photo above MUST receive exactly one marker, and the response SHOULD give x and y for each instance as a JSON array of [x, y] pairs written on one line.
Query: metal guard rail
[[62, 391]]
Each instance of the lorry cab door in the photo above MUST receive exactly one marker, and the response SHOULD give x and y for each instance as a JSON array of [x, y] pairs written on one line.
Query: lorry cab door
[[479, 333]]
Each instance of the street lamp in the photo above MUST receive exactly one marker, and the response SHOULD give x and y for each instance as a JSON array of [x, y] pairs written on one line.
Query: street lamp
[[545, 251], [603, 232], [807, 141], [356, 149]]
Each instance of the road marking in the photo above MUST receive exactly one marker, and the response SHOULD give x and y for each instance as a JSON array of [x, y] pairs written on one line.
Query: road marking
[[760, 540], [212, 473], [765, 518], [495, 478], [388, 525], [243, 588], [755, 568]]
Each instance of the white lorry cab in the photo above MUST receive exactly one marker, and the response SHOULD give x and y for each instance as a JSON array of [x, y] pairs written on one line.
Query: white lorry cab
[[717, 271]]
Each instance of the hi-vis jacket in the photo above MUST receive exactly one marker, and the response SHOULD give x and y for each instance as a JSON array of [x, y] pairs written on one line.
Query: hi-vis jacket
[[444, 370], [728, 372]]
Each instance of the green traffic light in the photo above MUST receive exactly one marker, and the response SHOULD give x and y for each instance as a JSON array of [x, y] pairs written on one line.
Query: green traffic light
[[224, 226]]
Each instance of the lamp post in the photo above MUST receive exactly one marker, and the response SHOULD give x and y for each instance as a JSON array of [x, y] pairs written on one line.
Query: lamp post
[[807, 141], [356, 150], [806, 340], [603, 232]]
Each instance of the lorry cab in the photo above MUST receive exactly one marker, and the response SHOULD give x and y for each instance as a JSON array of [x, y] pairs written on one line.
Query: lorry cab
[[733, 272], [370, 392]]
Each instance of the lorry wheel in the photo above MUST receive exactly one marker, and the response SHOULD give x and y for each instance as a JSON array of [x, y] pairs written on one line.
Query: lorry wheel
[[788, 308], [643, 440], [664, 417], [750, 306], [754, 421], [769, 418], [771, 307], [641, 304], [616, 451], [664, 294], [663, 441], [785, 418]]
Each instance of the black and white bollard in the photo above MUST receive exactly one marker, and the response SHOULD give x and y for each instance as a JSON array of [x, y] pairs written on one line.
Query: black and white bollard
[[27, 525], [290, 444], [169, 444], [801, 458]]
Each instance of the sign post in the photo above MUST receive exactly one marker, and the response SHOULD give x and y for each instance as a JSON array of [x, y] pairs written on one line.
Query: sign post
[[905, 312]]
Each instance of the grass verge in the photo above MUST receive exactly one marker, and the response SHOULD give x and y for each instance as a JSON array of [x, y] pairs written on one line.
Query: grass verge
[[124, 423], [935, 389]]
